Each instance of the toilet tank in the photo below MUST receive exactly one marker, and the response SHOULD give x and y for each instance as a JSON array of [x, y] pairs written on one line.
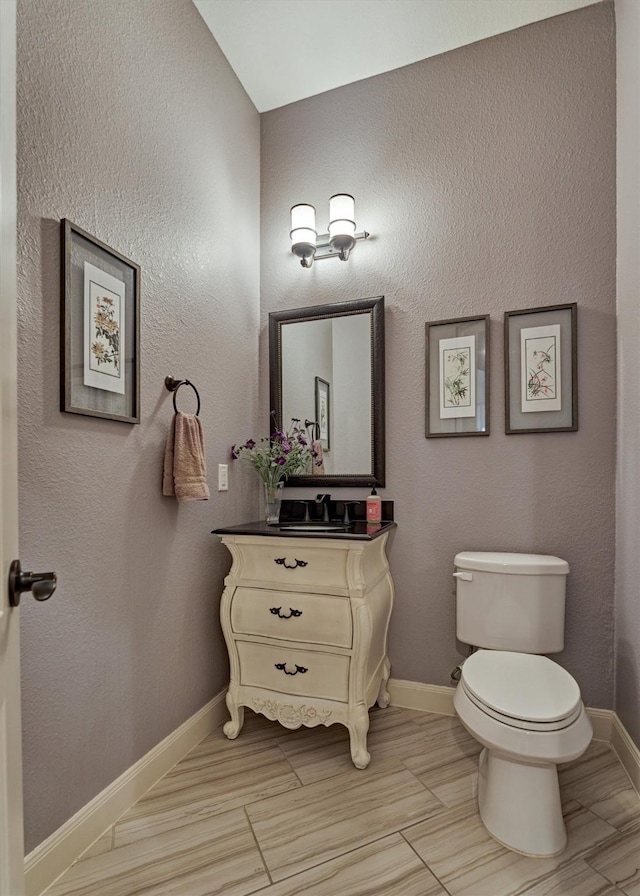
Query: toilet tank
[[510, 601]]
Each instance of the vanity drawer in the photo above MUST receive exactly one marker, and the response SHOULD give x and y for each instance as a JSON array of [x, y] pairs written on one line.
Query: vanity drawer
[[280, 561], [289, 670], [293, 616]]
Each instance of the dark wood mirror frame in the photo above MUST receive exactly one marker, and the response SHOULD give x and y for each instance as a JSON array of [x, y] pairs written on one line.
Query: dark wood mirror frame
[[374, 307]]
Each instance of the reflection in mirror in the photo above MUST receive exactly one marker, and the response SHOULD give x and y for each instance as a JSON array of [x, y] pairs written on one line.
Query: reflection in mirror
[[338, 397], [327, 369]]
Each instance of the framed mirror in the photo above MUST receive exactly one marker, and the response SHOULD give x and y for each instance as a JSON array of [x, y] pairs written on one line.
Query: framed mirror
[[326, 368]]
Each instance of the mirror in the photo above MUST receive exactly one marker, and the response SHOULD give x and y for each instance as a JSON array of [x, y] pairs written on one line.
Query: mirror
[[326, 366]]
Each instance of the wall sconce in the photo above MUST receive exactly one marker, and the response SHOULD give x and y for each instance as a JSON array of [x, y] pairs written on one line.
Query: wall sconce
[[342, 236]]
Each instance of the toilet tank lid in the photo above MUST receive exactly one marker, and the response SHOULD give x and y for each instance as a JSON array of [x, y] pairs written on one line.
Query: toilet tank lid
[[512, 564]]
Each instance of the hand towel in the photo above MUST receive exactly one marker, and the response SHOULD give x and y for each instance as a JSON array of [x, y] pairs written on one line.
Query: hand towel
[[185, 473], [317, 462]]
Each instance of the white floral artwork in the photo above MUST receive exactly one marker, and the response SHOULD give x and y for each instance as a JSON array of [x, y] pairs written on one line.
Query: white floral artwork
[[541, 387], [457, 377], [104, 317]]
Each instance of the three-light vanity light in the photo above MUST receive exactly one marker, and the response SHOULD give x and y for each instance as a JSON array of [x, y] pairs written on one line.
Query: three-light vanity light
[[338, 242]]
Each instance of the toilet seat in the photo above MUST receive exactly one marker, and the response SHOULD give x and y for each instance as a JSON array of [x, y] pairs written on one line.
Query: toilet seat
[[521, 690], [523, 724]]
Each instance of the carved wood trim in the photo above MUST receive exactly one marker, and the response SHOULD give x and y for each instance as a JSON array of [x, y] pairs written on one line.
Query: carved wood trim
[[292, 716]]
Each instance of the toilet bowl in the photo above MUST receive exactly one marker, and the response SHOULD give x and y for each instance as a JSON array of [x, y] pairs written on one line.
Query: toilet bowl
[[527, 712]]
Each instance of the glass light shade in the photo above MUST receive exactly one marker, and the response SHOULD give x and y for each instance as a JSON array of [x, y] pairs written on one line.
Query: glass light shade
[[342, 215], [342, 224], [303, 225]]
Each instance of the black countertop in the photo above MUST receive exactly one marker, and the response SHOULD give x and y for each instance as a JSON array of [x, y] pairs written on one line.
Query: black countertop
[[359, 530]]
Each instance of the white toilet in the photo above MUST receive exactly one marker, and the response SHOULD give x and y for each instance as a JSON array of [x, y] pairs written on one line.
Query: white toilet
[[523, 708]]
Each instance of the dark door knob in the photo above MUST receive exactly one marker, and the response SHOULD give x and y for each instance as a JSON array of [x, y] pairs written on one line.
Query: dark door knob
[[40, 584]]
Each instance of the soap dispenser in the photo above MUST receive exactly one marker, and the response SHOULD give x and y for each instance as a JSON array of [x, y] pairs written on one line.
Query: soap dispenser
[[374, 507]]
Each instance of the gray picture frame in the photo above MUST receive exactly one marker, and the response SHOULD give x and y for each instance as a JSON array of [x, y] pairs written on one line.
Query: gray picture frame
[[522, 379], [439, 334], [323, 412], [80, 252]]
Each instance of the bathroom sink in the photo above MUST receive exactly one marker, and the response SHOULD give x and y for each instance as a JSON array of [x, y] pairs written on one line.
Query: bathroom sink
[[312, 527]]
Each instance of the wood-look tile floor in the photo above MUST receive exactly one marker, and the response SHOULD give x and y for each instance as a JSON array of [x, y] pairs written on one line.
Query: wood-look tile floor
[[285, 813]]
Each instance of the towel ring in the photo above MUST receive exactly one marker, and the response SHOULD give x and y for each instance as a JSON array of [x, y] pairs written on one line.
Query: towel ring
[[173, 385], [316, 428]]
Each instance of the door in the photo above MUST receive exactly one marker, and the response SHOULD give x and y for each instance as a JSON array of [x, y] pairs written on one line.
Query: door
[[11, 833]]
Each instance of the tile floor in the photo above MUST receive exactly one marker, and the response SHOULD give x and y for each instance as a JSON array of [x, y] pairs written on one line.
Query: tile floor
[[284, 813]]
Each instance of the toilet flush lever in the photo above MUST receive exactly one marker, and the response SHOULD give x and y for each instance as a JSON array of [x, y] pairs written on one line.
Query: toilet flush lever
[[465, 576]]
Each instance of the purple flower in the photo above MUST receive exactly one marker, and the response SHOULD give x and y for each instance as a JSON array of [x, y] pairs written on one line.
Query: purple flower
[[284, 452]]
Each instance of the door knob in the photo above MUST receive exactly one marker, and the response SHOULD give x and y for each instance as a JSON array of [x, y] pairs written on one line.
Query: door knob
[[40, 584]]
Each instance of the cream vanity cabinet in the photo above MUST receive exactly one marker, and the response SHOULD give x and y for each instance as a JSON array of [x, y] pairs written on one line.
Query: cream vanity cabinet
[[305, 620]]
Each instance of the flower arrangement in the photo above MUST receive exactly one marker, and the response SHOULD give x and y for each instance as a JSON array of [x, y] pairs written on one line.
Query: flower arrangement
[[284, 453]]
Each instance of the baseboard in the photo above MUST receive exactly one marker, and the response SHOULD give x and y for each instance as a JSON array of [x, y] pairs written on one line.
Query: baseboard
[[56, 854], [627, 751], [439, 698], [601, 721], [423, 697]]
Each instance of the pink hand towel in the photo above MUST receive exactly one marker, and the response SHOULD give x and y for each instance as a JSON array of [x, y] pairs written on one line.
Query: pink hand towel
[[185, 473], [317, 462]]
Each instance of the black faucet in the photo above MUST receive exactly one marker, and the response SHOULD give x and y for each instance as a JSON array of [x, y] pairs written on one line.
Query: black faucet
[[323, 500]]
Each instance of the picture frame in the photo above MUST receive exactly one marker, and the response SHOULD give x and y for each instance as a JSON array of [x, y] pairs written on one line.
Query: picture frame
[[457, 377], [541, 369], [99, 328], [323, 412]]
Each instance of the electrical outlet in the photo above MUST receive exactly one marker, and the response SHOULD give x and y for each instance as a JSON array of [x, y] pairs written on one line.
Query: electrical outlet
[[223, 477]]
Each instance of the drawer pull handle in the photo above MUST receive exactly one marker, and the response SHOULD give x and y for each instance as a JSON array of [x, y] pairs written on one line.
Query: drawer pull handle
[[282, 561], [292, 612], [283, 668]]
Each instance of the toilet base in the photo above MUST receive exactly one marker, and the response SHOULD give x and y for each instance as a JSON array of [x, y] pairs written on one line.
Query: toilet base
[[520, 804]]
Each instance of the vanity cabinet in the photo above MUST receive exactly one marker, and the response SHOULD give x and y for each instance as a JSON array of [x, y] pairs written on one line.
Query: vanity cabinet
[[305, 622]]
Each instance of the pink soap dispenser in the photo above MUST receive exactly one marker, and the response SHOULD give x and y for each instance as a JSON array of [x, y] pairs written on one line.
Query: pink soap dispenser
[[374, 507]]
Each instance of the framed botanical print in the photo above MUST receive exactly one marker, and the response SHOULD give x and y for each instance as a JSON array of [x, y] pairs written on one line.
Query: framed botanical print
[[457, 377], [323, 412], [100, 329], [541, 369]]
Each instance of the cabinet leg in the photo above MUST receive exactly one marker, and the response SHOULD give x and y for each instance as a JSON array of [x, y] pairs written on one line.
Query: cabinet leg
[[384, 697], [232, 729], [358, 728]]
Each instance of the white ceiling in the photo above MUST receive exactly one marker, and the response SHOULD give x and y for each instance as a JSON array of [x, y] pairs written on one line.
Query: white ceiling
[[285, 50]]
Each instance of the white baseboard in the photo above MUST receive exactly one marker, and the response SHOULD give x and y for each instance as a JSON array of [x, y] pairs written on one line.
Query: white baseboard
[[423, 697], [627, 751], [602, 722], [57, 853]]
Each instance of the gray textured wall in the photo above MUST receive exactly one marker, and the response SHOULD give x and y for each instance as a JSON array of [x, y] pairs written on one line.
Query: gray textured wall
[[628, 503], [487, 178], [131, 124]]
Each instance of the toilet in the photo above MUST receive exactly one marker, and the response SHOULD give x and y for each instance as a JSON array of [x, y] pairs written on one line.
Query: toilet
[[522, 707]]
